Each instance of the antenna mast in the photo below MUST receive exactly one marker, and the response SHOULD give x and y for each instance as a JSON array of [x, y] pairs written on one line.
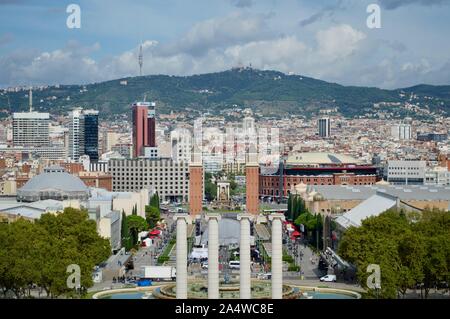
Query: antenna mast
[[30, 95], [141, 60]]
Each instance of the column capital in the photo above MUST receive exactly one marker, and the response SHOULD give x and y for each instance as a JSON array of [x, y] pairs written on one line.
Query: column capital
[[215, 216], [279, 216], [245, 216], [187, 218], [260, 219]]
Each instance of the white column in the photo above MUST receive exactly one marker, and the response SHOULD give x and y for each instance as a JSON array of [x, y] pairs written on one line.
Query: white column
[[277, 256], [244, 256], [213, 255], [182, 220]]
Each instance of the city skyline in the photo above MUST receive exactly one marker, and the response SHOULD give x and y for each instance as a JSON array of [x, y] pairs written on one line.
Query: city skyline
[[328, 40]]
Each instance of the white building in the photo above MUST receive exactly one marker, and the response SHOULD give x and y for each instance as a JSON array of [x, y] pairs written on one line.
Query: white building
[[437, 176], [406, 172], [168, 177], [55, 152], [81, 131], [31, 129], [401, 132], [181, 144], [75, 139]]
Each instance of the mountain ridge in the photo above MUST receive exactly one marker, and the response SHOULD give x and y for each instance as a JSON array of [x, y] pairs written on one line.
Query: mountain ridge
[[271, 93]]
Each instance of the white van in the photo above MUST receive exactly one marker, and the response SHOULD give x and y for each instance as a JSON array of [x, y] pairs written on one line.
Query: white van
[[235, 264]]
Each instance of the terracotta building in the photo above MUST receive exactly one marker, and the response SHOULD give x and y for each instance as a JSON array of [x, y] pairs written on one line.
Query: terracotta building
[[96, 179]]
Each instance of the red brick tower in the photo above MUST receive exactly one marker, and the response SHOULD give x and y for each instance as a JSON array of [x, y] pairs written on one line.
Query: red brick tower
[[252, 181], [195, 184]]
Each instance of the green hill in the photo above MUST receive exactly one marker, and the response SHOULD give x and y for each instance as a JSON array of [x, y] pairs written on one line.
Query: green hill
[[269, 92]]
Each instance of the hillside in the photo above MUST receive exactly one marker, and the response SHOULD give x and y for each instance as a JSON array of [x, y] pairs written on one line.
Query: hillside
[[269, 92]]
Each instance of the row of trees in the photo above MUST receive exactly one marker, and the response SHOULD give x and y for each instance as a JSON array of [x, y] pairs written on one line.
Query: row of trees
[[412, 250], [300, 215], [38, 253], [133, 224]]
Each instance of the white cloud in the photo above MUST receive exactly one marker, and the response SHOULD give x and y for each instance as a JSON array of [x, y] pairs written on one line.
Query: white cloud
[[338, 41], [219, 33], [339, 53]]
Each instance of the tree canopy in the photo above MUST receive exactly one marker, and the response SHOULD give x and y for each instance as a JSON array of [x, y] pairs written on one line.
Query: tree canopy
[[39, 253], [411, 252]]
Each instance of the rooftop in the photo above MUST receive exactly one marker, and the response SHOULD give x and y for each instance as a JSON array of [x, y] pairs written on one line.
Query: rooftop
[[320, 158], [361, 192]]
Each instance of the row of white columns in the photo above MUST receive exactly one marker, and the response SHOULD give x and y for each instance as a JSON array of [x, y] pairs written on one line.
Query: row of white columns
[[213, 255]]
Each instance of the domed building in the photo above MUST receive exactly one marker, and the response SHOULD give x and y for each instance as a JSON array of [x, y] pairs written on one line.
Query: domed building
[[54, 183]]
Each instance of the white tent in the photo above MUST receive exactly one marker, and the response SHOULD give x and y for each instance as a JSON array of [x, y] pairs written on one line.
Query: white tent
[[199, 253]]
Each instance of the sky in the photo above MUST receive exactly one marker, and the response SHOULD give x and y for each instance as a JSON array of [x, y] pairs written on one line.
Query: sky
[[324, 39]]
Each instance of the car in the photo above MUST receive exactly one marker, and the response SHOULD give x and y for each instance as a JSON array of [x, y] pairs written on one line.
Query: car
[[266, 276], [205, 265], [235, 264], [328, 278]]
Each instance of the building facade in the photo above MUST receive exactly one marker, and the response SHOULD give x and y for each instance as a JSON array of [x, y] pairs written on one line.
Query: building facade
[[324, 126], [406, 172], [169, 178], [401, 132], [315, 169], [83, 134], [90, 135], [31, 129], [144, 127]]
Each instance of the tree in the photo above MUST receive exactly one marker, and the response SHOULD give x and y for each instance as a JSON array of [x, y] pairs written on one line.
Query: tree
[[125, 232], [74, 240], [40, 252], [288, 214], [411, 250], [210, 187], [153, 212], [136, 224], [154, 201], [152, 216]]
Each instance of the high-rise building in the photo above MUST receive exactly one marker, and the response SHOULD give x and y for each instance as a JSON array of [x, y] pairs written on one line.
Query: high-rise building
[[83, 134], [75, 134], [90, 121], [31, 129], [401, 132], [324, 125], [181, 144], [151, 125], [140, 127], [144, 129]]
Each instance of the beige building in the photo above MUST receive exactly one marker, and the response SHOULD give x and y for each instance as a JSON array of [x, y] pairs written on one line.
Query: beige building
[[126, 201], [8, 188]]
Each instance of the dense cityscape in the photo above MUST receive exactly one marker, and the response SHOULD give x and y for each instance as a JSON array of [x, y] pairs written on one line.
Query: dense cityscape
[[178, 171]]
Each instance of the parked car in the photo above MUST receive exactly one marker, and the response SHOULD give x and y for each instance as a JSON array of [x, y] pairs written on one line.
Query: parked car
[[205, 265], [235, 264], [328, 278]]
